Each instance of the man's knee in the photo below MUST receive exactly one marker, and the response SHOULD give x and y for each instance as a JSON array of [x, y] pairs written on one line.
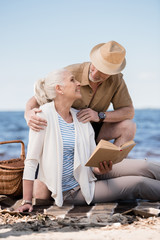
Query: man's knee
[[120, 128], [128, 126], [120, 131]]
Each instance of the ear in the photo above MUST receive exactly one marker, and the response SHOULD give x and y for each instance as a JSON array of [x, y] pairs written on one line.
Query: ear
[[59, 89]]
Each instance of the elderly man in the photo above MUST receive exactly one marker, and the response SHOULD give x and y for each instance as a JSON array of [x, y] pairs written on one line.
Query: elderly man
[[101, 83]]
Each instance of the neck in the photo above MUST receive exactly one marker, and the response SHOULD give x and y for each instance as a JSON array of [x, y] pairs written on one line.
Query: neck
[[63, 110], [94, 85]]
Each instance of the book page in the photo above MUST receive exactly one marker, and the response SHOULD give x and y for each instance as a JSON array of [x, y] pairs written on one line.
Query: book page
[[107, 144], [127, 144]]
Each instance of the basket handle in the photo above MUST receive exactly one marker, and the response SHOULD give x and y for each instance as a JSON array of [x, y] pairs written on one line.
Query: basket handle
[[22, 146]]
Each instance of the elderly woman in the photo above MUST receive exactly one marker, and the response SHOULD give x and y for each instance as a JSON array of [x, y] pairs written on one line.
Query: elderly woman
[[63, 148]]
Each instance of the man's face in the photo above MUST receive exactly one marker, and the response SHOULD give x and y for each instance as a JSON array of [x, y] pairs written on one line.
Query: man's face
[[97, 76]]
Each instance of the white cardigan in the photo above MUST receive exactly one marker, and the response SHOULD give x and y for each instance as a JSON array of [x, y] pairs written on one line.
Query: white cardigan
[[46, 148]]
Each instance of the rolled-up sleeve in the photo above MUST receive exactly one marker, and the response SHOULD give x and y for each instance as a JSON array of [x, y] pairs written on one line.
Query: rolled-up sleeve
[[121, 97]]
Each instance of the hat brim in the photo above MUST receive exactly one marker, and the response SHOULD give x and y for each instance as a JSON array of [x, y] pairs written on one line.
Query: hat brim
[[104, 66]]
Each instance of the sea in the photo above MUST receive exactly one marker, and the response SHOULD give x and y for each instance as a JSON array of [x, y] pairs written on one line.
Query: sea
[[13, 127]]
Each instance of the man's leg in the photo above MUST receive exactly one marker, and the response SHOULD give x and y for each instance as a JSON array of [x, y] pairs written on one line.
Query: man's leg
[[133, 167], [127, 188], [121, 132], [120, 188]]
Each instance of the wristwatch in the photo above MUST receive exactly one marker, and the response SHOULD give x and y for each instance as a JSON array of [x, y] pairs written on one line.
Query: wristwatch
[[101, 116], [24, 202]]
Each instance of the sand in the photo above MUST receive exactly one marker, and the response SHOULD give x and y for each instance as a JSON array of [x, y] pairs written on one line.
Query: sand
[[40, 227], [111, 221]]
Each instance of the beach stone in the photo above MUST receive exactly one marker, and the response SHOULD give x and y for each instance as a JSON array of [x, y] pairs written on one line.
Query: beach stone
[[58, 212]]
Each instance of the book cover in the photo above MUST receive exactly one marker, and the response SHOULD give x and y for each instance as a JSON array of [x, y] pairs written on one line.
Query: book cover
[[106, 151]]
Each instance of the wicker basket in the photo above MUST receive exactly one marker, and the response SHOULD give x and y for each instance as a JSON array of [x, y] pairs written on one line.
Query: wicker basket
[[11, 172]]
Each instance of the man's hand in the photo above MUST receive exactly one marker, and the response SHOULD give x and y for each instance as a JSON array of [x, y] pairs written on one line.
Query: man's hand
[[34, 122], [103, 168], [87, 115]]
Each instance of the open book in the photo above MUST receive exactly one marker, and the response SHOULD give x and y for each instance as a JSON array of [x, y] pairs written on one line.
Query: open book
[[106, 151]]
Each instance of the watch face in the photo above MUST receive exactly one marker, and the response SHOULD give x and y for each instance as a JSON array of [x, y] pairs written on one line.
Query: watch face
[[102, 115]]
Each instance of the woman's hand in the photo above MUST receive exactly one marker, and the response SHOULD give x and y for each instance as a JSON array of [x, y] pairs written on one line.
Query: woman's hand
[[103, 168], [25, 208], [34, 122]]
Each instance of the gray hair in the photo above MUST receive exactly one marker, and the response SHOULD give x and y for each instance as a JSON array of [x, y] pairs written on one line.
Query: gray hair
[[44, 88]]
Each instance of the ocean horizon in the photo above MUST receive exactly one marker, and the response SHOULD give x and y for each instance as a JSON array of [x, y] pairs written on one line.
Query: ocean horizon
[[13, 127]]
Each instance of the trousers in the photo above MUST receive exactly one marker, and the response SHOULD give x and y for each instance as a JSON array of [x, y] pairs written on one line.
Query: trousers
[[128, 180]]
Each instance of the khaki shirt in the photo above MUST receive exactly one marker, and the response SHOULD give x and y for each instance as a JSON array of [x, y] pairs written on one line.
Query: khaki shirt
[[113, 90]]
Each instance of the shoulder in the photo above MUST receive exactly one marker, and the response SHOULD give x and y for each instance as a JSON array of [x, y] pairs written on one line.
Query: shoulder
[[116, 80], [86, 125], [46, 107], [74, 111], [117, 77], [46, 110], [77, 68]]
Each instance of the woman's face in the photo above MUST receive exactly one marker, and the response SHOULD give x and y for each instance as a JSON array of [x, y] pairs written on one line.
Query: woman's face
[[71, 87]]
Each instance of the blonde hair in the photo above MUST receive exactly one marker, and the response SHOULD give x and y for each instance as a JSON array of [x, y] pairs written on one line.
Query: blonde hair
[[44, 88]]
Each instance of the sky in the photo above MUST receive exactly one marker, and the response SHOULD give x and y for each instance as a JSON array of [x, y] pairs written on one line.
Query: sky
[[38, 36]]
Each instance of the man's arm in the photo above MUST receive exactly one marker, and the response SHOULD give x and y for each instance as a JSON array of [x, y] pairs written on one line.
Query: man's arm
[[33, 121], [86, 115], [120, 114]]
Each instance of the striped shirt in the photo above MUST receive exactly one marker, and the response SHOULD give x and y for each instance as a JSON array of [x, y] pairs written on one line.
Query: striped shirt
[[68, 137]]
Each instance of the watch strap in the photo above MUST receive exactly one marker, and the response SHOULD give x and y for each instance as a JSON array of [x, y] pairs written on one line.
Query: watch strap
[[101, 116]]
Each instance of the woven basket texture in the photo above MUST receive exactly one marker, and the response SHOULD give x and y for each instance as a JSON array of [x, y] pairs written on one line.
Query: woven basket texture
[[11, 172]]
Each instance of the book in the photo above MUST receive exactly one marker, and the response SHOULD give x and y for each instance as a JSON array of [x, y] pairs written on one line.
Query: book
[[106, 151]]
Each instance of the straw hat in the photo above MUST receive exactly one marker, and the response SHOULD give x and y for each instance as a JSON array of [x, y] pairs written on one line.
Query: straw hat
[[108, 58]]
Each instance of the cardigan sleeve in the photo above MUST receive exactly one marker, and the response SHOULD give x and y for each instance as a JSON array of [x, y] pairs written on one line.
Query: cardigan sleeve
[[34, 152]]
